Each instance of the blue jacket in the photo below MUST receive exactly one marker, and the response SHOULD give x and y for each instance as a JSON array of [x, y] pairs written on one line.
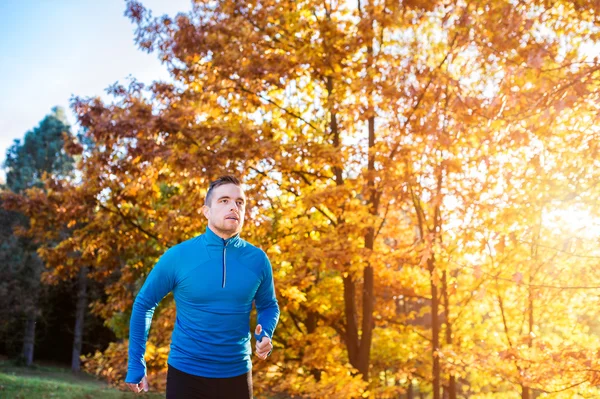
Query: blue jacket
[[214, 283]]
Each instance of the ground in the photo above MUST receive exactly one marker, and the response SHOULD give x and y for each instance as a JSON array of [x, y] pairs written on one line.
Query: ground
[[53, 381]]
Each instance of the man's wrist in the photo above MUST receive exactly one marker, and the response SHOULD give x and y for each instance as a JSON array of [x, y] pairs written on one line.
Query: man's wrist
[[260, 336]]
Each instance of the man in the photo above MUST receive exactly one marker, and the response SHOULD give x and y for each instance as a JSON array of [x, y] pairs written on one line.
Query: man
[[215, 277]]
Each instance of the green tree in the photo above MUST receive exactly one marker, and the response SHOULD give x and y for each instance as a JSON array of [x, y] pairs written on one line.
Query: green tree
[[27, 163]]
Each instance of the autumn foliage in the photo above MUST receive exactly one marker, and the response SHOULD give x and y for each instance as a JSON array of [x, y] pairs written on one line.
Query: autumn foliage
[[423, 175]]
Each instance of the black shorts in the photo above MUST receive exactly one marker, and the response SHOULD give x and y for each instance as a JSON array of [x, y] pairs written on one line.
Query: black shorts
[[182, 385]]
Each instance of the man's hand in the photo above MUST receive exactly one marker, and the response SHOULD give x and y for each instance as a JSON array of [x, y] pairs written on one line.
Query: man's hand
[[140, 386], [264, 346]]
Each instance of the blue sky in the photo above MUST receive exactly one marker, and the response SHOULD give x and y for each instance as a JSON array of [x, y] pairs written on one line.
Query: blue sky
[[52, 50]]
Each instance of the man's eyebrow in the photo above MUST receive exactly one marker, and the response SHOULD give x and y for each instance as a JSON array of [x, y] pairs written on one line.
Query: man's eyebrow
[[228, 197]]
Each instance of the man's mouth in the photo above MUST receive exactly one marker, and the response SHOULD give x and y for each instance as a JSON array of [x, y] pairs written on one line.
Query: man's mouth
[[233, 217]]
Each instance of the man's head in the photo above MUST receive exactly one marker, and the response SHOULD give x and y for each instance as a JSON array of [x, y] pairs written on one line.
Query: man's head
[[225, 206]]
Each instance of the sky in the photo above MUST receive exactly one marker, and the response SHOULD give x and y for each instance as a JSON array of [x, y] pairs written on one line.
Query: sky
[[53, 50]]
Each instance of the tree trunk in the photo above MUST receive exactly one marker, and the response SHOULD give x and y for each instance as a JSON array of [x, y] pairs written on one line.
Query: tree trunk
[[409, 391], [451, 390], [359, 348], [364, 357], [435, 320], [368, 278], [33, 311], [525, 394], [435, 332], [352, 342], [79, 319], [29, 338], [350, 311], [368, 297], [525, 389]]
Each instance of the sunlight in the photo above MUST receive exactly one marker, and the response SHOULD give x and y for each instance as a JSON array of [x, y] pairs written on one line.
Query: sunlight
[[574, 220]]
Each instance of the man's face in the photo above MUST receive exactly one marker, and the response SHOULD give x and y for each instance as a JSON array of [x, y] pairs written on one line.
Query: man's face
[[225, 212]]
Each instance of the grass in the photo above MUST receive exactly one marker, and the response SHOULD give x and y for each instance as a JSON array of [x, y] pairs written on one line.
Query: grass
[[55, 382]]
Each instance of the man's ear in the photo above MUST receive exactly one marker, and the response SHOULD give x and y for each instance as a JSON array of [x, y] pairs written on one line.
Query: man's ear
[[205, 211]]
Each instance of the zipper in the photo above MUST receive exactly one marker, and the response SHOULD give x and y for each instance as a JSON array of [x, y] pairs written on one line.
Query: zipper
[[224, 264]]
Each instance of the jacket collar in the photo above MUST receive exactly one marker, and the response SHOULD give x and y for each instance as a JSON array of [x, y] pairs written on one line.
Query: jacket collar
[[213, 239]]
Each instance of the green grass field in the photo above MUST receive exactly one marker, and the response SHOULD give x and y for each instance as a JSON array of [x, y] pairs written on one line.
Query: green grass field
[[55, 382]]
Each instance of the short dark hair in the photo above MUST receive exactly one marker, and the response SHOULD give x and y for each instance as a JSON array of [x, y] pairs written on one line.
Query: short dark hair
[[221, 181]]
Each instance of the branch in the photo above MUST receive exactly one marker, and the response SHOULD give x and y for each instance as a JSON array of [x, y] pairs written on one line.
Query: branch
[[296, 322], [238, 86], [563, 389], [422, 95], [387, 208], [558, 287], [408, 326], [302, 173], [560, 250], [419, 211], [500, 303], [334, 222], [129, 221], [260, 172]]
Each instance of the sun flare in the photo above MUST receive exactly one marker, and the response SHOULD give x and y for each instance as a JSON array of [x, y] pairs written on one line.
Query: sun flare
[[574, 220]]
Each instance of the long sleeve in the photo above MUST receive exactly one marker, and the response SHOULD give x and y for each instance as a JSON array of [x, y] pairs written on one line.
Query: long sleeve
[[266, 303], [159, 283]]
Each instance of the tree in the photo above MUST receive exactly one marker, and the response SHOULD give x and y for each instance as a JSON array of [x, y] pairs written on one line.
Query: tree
[[388, 149], [26, 164]]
